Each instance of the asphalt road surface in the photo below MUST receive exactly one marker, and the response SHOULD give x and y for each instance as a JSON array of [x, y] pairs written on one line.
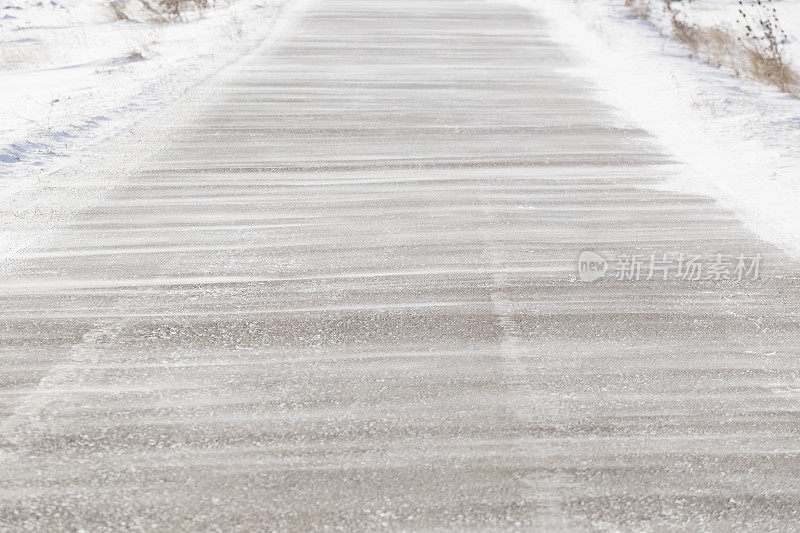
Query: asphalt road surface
[[343, 295]]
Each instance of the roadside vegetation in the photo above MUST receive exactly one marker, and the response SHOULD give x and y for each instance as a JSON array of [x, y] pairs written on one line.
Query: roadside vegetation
[[754, 48], [74, 73], [155, 10]]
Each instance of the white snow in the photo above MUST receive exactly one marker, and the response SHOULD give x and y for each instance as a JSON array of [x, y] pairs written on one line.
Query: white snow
[[724, 13], [74, 86], [740, 138], [71, 78]]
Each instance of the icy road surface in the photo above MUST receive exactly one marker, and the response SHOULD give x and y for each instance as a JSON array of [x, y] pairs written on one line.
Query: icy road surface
[[343, 295]]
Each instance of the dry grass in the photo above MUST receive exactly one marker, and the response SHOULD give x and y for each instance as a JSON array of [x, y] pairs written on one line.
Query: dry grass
[[160, 11], [117, 10], [763, 42], [640, 9], [175, 8], [773, 70], [757, 54]]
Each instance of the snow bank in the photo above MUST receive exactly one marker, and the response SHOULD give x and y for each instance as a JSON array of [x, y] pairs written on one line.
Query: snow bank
[[78, 94], [71, 77]]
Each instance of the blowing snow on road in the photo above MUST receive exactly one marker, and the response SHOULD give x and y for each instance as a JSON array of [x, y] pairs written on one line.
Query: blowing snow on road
[[402, 265]]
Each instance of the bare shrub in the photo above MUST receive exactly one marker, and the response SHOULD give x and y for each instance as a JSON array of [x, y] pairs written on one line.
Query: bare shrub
[[117, 10], [160, 11], [759, 53], [640, 9], [763, 44], [174, 8], [711, 44], [682, 30]]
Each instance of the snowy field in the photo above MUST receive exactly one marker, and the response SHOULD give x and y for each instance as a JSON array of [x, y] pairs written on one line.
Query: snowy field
[[741, 136], [72, 74]]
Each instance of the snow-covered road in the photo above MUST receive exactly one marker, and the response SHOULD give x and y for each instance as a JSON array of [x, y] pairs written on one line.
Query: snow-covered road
[[342, 294]]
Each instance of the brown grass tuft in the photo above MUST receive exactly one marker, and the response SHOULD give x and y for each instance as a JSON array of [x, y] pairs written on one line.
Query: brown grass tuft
[[757, 54], [160, 11], [640, 9], [117, 11]]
